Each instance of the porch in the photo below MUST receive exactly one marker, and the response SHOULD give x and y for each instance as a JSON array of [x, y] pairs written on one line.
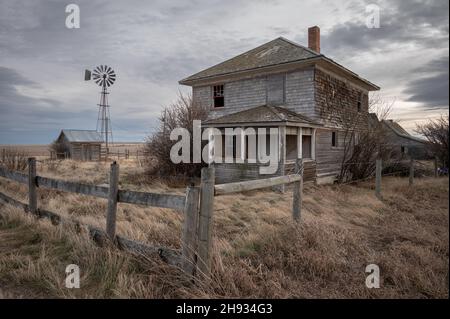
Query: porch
[[237, 155]]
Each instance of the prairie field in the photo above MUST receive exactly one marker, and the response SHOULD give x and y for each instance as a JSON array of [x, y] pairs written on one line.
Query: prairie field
[[258, 251], [43, 150]]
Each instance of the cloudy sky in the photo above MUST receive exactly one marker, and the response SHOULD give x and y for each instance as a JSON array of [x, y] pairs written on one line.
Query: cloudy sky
[[153, 44]]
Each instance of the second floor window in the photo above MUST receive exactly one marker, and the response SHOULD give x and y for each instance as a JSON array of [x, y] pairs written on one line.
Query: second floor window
[[360, 99], [218, 96], [275, 89]]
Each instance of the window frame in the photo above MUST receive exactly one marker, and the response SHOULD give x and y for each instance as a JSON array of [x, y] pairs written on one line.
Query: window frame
[[283, 76], [360, 101], [334, 139], [221, 95]]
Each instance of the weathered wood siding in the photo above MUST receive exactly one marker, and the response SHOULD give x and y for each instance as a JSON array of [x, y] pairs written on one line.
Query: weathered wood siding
[[414, 148], [85, 151], [230, 173], [336, 100], [234, 172], [328, 158], [309, 170], [252, 92]]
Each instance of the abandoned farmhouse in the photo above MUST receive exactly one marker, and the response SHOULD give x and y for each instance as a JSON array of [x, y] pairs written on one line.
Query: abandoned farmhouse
[[294, 88]]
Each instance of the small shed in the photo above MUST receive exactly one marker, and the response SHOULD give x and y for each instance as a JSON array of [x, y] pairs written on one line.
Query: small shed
[[82, 145], [405, 143]]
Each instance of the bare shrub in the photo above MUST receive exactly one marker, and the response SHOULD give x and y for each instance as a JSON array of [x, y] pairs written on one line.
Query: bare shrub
[[364, 144], [58, 148], [14, 159], [437, 133], [181, 114]]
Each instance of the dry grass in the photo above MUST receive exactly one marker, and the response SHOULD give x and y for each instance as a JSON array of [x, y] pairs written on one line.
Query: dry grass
[[258, 251]]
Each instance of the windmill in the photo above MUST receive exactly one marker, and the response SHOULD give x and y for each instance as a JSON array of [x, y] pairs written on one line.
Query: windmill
[[104, 76]]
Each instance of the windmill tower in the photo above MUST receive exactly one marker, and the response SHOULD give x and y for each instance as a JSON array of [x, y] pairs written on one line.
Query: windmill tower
[[104, 76]]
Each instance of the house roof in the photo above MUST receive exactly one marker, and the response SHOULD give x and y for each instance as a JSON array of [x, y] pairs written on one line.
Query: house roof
[[400, 131], [85, 136], [276, 52], [262, 114]]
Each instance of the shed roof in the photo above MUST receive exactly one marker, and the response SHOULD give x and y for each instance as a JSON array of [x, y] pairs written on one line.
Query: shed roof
[[400, 131], [85, 136], [276, 52], [262, 114]]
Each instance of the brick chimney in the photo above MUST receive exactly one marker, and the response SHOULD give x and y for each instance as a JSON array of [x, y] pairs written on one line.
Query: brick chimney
[[314, 39]]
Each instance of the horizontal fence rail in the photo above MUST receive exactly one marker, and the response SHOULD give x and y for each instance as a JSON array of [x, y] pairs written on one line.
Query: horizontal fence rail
[[169, 255], [187, 204], [72, 187], [237, 187], [152, 199], [15, 176], [125, 196]]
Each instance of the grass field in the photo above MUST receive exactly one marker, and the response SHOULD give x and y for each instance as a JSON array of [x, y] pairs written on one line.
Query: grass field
[[258, 251], [42, 150]]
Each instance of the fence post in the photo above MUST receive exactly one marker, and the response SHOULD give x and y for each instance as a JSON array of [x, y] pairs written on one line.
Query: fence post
[[189, 237], [205, 220], [435, 166], [378, 178], [32, 194], [298, 190], [411, 171], [112, 201]]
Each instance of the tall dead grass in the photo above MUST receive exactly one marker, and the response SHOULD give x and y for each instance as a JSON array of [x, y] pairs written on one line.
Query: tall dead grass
[[258, 251]]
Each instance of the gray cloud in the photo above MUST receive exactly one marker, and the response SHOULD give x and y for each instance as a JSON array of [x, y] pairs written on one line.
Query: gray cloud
[[421, 23], [152, 45], [431, 90]]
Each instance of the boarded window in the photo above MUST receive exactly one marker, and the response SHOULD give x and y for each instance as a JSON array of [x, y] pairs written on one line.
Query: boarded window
[[275, 89], [218, 96]]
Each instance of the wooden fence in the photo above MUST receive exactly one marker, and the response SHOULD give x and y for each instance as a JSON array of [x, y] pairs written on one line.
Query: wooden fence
[[197, 205], [188, 204]]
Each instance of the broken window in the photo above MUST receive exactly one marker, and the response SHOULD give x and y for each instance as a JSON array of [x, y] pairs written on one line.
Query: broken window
[[275, 89], [218, 96]]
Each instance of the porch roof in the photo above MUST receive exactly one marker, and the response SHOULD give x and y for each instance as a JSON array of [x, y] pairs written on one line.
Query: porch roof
[[263, 114]]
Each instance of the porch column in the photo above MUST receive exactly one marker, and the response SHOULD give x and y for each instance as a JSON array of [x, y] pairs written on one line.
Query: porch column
[[300, 143], [240, 147], [313, 144], [282, 155], [282, 149]]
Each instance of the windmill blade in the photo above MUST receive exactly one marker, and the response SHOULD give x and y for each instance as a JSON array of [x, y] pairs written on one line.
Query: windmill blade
[[97, 69], [108, 69]]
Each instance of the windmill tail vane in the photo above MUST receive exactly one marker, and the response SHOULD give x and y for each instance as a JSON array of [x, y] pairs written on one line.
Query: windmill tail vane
[[103, 76]]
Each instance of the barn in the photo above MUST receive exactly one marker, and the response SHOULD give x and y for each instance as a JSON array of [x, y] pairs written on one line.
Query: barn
[[404, 142], [82, 145]]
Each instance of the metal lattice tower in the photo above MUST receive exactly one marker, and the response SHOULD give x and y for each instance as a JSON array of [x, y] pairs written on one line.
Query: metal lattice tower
[[104, 76]]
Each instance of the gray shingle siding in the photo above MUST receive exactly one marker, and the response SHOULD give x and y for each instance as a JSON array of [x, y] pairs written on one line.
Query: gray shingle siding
[[300, 92], [249, 93]]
